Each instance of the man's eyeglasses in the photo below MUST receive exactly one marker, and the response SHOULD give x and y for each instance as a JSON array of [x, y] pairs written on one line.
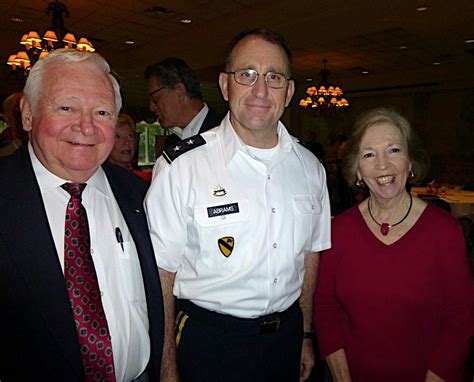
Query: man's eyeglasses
[[154, 92], [248, 77]]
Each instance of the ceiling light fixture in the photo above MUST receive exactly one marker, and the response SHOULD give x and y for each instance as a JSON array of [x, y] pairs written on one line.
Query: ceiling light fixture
[[324, 96], [185, 21], [35, 48], [422, 8]]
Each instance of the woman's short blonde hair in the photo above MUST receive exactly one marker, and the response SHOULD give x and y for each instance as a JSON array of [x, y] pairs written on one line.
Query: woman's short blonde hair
[[125, 119]]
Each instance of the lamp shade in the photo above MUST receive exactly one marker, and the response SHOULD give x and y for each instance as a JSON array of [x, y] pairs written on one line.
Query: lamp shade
[[12, 61], [21, 56], [69, 39], [43, 54], [24, 39], [50, 36], [34, 38], [85, 45]]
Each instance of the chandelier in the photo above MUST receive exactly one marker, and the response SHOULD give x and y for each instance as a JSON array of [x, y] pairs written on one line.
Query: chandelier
[[34, 48], [325, 96]]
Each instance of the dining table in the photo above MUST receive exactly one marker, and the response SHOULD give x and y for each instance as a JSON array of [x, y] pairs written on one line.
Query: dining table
[[460, 201]]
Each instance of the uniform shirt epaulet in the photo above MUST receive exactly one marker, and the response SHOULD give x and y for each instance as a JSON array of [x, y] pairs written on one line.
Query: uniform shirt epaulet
[[181, 147]]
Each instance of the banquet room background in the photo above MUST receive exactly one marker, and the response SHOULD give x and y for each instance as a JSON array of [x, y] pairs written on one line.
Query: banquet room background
[[414, 55]]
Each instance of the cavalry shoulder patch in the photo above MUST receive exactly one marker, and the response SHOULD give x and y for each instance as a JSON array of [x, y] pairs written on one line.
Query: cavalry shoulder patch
[[226, 245], [181, 147]]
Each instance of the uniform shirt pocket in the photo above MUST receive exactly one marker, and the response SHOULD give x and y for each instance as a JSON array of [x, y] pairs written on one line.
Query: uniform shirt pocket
[[226, 222], [306, 207]]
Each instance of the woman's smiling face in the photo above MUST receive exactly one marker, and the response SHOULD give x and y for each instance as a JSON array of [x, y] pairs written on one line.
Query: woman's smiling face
[[383, 162]]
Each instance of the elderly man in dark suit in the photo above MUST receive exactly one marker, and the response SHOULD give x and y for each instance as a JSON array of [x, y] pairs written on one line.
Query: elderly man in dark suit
[[80, 294], [176, 100]]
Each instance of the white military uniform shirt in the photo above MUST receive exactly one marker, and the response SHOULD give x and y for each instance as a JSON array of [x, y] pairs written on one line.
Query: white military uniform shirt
[[234, 229]]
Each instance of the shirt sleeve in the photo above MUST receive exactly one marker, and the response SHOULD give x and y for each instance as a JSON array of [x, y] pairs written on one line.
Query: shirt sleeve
[[327, 309], [165, 217], [321, 235], [449, 356]]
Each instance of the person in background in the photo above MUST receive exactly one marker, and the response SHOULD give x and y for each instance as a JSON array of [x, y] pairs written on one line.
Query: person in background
[[315, 146], [124, 153], [14, 136], [394, 299], [80, 293], [176, 99], [238, 215]]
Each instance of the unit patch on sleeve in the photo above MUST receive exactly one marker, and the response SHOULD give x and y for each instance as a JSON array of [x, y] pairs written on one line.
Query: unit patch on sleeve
[[223, 209], [181, 147], [226, 245]]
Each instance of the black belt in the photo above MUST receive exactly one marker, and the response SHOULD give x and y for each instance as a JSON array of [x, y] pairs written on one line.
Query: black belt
[[266, 324]]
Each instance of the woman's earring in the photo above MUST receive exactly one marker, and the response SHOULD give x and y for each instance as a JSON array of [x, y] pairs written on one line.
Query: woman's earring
[[411, 175], [359, 183]]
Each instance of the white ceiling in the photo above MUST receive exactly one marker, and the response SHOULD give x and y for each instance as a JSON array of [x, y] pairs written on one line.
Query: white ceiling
[[350, 34]]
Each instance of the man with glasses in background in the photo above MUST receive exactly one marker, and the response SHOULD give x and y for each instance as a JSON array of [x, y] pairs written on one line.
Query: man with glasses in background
[[237, 217], [176, 100]]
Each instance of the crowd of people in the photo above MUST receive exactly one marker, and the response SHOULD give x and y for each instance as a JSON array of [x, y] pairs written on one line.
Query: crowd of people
[[225, 264]]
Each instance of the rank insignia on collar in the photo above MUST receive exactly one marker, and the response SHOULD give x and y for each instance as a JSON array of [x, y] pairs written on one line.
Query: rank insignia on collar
[[226, 245], [174, 151], [219, 191]]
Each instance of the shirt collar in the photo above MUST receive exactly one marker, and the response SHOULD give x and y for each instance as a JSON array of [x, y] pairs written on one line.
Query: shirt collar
[[194, 126], [232, 142], [49, 181]]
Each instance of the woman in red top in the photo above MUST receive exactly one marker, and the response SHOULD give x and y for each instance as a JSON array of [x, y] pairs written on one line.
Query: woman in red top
[[394, 299]]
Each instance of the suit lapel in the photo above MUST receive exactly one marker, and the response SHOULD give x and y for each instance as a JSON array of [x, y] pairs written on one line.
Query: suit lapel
[[33, 251], [211, 120]]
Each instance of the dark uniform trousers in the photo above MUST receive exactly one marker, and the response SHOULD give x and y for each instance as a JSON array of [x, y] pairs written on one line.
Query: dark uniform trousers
[[214, 347]]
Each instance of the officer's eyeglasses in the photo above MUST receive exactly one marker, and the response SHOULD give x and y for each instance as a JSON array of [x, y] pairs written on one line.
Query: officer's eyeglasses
[[248, 77], [154, 92]]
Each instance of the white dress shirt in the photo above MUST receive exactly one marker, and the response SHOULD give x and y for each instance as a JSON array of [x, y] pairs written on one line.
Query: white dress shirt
[[118, 271], [275, 213], [194, 126]]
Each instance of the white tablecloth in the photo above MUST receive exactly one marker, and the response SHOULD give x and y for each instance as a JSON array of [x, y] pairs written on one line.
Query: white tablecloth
[[461, 202]]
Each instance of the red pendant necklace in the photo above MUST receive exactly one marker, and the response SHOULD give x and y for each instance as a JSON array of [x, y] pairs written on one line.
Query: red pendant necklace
[[385, 227]]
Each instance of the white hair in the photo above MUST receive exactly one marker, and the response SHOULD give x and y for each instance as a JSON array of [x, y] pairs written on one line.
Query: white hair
[[34, 83]]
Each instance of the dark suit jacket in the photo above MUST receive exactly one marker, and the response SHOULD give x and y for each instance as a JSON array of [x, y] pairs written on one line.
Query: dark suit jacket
[[37, 332], [212, 119]]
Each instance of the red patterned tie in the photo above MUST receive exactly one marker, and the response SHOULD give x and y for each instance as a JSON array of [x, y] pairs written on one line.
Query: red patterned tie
[[84, 293]]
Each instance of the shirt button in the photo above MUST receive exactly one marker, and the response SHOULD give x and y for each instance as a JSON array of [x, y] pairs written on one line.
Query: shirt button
[[268, 177], [275, 245], [275, 280], [313, 207], [101, 293], [273, 210], [92, 251]]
